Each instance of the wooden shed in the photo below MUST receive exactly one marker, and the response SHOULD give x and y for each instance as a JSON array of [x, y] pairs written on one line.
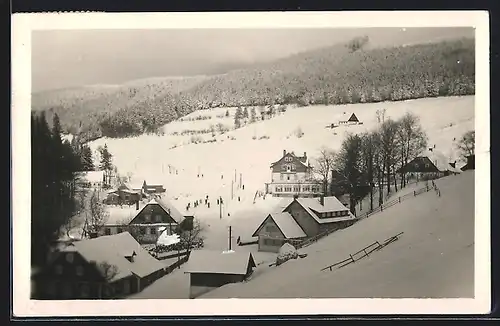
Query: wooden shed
[[209, 269]]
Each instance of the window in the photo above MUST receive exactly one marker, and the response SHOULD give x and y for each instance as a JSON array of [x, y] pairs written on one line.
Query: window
[[158, 218], [288, 189], [119, 230], [147, 217], [59, 269], [281, 176], [70, 257], [279, 189], [107, 231], [288, 177], [79, 270], [427, 165], [296, 188], [346, 213], [147, 231], [305, 188]]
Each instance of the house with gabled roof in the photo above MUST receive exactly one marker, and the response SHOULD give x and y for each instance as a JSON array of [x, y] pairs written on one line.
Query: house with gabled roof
[[106, 267], [302, 218], [353, 120], [292, 175], [430, 164], [210, 269], [149, 222]]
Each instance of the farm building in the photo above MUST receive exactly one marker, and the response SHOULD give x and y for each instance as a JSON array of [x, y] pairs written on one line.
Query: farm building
[[430, 165], [292, 176], [302, 218], [210, 269], [470, 165], [101, 268], [275, 229], [153, 188], [147, 222], [353, 120], [124, 195]]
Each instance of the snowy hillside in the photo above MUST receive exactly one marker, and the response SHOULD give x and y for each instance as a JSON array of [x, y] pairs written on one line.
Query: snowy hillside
[[434, 258], [176, 162]]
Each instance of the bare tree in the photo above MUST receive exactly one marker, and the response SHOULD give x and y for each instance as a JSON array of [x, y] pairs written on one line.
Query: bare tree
[[108, 271], [388, 135], [466, 144], [349, 163], [412, 140], [96, 215], [381, 115], [323, 166], [368, 152], [378, 164]]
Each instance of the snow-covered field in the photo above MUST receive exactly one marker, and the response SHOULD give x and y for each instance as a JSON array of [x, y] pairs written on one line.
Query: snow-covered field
[[434, 258], [149, 157], [236, 154]]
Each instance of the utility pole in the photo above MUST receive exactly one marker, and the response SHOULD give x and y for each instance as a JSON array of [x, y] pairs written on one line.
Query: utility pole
[[234, 175], [230, 238], [220, 207], [240, 181], [232, 185]]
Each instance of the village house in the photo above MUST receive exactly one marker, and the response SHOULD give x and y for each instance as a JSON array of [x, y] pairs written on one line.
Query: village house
[[470, 165], [429, 165], [301, 218], [153, 188], [124, 195], [209, 269], [292, 176], [107, 267], [147, 223]]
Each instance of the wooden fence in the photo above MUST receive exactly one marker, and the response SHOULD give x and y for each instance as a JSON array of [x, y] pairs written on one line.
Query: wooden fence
[[365, 252], [169, 269], [381, 208]]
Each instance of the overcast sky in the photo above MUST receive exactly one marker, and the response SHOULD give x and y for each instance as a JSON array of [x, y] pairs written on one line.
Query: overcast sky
[[74, 58]]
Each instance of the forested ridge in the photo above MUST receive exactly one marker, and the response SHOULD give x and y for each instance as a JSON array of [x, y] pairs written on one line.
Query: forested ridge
[[344, 73]]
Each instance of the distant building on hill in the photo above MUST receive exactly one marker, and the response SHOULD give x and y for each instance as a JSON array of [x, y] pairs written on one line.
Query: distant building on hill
[[210, 269], [292, 176], [124, 195], [108, 267], [301, 218], [353, 120], [430, 165]]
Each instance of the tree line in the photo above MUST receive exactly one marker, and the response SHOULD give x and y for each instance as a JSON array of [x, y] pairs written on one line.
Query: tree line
[[346, 73], [54, 178], [371, 160]]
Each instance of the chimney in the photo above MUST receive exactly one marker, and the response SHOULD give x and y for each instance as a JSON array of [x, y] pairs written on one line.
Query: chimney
[[284, 152], [137, 205], [305, 155]]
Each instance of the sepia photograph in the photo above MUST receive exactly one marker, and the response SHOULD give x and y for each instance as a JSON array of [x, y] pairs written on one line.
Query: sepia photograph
[[252, 162]]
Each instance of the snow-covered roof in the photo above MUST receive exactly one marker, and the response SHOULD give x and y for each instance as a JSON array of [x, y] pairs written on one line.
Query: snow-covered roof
[[440, 161], [310, 204], [331, 204], [169, 208], [288, 225], [112, 250], [212, 261], [121, 215]]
